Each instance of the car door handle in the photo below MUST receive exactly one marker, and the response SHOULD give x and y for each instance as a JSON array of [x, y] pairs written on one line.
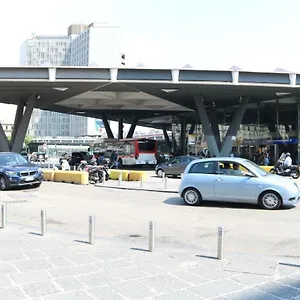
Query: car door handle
[[219, 179]]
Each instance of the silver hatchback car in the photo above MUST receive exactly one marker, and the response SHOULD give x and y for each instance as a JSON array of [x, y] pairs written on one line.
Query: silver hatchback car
[[236, 180]]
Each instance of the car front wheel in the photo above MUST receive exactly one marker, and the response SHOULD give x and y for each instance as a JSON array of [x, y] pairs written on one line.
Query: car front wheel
[[160, 173], [270, 200], [191, 196], [3, 183]]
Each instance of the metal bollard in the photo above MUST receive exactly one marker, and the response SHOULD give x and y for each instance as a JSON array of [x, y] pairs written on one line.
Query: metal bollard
[[166, 181], [103, 177], [120, 179], [163, 177], [181, 175], [151, 236], [141, 181], [4, 216], [91, 230], [220, 253], [43, 223]]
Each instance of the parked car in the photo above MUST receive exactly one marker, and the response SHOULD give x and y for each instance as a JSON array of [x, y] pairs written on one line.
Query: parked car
[[15, 170], [236, 180], [175, 166], [77, 157]]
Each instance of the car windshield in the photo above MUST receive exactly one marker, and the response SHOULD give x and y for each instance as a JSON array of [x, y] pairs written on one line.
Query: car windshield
[[12, 160], [256, 168]]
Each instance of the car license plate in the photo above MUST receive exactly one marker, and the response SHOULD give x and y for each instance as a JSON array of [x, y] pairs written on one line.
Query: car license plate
[[29, 178]]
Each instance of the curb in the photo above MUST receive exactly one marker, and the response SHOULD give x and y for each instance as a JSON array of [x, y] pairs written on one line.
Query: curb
[[136, 189]]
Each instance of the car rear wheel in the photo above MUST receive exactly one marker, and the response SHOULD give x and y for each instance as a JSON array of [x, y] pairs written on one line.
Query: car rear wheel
[[160, 173], [3, 183], [270, 200], [191, 196]]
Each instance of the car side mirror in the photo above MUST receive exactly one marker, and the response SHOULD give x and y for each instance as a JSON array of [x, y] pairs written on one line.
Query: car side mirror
[[249, 174]]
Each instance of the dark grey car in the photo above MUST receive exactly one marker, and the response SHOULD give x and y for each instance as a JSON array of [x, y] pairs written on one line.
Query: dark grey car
[[174, 166]]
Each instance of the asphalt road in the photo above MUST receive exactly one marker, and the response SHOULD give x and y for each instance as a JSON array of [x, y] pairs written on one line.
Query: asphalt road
[[123, 213]]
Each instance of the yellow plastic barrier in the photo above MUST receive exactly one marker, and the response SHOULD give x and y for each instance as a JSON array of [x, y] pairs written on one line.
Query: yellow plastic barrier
[[136, 175], [114, 174], [71, 177], [267, 168], [48, 175]]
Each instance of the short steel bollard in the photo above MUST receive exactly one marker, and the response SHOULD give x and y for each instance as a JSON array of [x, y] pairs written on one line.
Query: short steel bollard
[[163, 177], [120, 179], [220, 253], [141, 181], [91, 230], [166, 182], [4, 216], [151, 236], [43, 223], [103, 177]]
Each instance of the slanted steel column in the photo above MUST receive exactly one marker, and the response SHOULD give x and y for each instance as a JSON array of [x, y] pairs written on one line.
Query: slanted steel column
[[132, 127], [4, 144], [120, 131], [166, 136], [234, 127], [107, 127], [18, 118], [210, 138], [183, 136], [17, 145], [298, 128], [215, 124]]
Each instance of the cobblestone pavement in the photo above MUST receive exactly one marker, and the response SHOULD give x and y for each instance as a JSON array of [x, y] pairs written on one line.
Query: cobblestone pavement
[[64, 267]]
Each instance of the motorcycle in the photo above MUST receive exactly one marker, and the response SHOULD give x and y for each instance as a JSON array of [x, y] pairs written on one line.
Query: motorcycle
[[95, 172], [292, 171]]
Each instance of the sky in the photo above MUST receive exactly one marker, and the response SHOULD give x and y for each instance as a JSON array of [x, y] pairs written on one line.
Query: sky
[[259, 35]]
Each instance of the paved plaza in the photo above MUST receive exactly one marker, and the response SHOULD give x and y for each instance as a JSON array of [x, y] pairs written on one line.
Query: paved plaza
[[262, 256]]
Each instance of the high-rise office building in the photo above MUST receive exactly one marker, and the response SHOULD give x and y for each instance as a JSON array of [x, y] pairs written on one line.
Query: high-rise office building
[[94, 44]]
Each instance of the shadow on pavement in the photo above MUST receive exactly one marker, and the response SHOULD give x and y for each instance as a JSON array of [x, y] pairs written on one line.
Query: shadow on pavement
[[83, 242], [206, 256], [140, 249], [180, 202], [35, 233]]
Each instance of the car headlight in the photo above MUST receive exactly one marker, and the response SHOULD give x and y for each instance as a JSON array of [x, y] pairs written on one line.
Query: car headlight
[[11, 173]]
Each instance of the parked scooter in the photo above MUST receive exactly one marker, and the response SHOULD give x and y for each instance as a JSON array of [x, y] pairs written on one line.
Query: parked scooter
[[292, 171], [95, 172]]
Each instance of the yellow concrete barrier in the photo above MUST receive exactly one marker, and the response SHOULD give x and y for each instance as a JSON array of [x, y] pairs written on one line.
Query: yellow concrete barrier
[[137, 175], [48, 175], [71, 177], [114, 174], [267, 168]]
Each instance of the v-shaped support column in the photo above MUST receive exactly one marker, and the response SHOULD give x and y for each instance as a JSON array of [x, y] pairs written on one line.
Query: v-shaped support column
[[210, 138], [215, 125], [21, 130], [132, 127], [107, 127], [234, 127], [18, 118]]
